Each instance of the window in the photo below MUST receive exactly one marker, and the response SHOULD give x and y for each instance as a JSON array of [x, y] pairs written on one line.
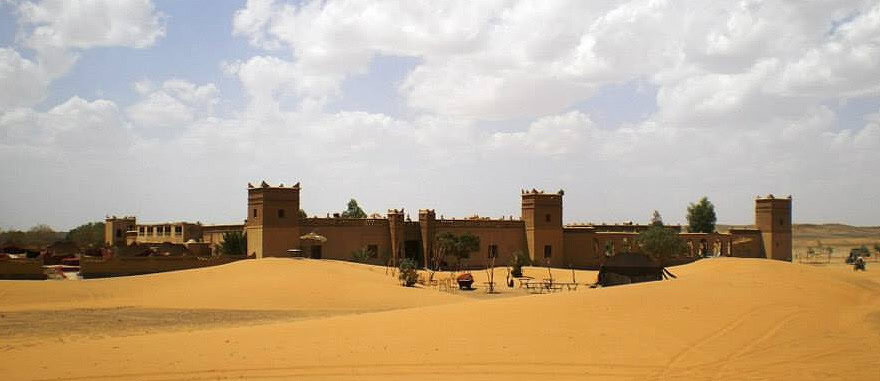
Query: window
[[118, 233], [781, 222], [280, 213], [149, 230], [255, 213], [548, 251], [373, 251], [178, 230], [547, 218], [493, 251], [141, 230], [168, 230]]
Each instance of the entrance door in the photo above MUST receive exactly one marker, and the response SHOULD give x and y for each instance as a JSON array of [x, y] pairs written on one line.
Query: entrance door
[[413, 250], [316, 252]]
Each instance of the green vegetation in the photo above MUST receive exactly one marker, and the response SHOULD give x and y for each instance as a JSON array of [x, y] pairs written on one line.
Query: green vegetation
[[458, 247], [36, 237], [407, 272], [302, 214], [354, 210], [701, 216], [87, 235], [656, 219], [361, 255], [234, 244], [517, 262], [661, 243]]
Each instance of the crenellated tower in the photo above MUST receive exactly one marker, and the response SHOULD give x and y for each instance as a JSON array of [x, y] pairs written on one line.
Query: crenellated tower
[[773, 219], [115, 229], [542, 215], [272, 225]]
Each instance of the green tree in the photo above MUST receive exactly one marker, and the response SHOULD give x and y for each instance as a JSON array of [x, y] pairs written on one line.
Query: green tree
[[87, 235], [354, 210], [656, 219], [35, 237], [458, 247], [661, 243], [701, 216], [234, 243], [302, 214], [407, 272]]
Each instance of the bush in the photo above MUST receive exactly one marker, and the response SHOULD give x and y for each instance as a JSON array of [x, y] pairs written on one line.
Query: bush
[[519, 260], [361, 255], [234, 244], [407, 272]]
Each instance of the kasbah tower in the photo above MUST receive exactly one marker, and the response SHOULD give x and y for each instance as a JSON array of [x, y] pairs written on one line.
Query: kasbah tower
[[272, 225], [773, 219]]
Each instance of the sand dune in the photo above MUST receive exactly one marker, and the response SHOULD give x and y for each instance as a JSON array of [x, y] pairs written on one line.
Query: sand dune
[[268, 284], [722, 319]]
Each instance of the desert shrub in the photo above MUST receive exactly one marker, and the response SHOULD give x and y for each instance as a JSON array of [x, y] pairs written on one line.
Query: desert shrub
[[517, 262], [361, 255], [407, 272]]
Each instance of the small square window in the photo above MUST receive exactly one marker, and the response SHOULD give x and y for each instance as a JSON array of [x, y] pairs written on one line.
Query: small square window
[[547, 218], [178, 230], [280, 213]]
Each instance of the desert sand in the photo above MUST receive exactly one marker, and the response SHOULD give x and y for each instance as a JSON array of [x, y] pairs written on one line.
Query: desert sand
[[722, 319]]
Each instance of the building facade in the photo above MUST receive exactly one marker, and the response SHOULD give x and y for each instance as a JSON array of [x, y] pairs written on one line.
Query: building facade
[[274, 229]]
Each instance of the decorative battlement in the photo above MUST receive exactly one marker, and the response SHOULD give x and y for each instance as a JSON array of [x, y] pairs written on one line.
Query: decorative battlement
[[320, 221], [264, 185], [481, 223], [771, 197]]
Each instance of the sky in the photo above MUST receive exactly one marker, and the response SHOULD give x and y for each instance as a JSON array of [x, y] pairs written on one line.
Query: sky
[[167, 109]]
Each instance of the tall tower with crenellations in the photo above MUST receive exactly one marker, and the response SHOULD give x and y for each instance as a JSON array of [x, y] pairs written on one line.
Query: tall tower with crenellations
[[272, 225], [773, 219], [542, 216], [115, 229]]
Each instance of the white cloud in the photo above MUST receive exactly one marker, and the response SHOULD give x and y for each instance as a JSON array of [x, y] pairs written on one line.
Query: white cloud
[[176, 104], [56, 30], [83, 24], [23, 81], [744, 105]]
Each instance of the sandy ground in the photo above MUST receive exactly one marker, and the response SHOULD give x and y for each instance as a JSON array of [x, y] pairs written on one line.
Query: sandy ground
[[722, 319]]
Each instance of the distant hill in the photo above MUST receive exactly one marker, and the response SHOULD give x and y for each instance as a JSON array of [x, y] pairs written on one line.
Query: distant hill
[[840, 236]]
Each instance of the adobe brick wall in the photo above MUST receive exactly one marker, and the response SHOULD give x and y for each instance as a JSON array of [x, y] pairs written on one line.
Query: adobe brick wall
[[21, 269]]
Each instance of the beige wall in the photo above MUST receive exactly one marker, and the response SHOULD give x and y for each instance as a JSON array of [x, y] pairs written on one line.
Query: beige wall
[[344, 236], [509, 236]]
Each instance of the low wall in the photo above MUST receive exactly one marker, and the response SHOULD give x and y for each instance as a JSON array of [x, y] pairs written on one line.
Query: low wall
[[21, 269], [100, 268]]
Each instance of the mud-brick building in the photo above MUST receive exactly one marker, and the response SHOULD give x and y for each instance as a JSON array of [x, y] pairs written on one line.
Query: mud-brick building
[[273, 228]]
